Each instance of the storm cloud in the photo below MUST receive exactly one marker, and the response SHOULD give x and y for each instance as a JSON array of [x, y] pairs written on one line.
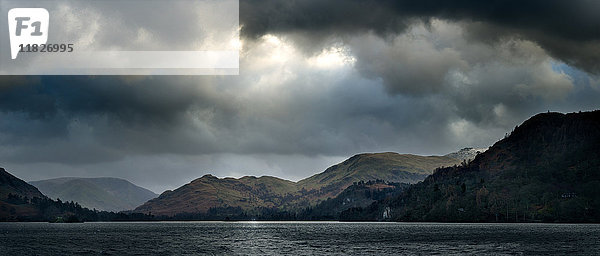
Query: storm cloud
[[569, 30]]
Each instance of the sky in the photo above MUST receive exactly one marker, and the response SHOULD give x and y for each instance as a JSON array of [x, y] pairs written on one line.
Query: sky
[[319, 82]]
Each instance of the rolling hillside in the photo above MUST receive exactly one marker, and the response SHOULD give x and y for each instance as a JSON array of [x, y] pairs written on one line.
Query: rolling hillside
[[389, 166], [210, 192], [252, 193]]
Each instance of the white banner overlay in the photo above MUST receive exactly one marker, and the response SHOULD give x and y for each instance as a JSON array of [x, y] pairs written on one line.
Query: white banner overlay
[[124, 37]]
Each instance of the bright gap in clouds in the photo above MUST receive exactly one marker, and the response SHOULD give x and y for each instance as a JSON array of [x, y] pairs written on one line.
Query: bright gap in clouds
[[279, 50], [333, 57]]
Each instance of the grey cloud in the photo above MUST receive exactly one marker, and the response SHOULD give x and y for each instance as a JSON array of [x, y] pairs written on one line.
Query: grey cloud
[[407, 65], [83, 119], [437, 58], [154, 25]]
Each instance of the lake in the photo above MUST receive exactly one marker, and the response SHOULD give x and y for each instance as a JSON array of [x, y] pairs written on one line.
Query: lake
[[296, 238]]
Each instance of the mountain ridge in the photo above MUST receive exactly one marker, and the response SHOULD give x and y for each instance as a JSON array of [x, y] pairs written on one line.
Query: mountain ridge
[[251, 192]]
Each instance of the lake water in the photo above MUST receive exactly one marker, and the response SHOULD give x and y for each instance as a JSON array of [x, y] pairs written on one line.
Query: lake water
[[296, 238]]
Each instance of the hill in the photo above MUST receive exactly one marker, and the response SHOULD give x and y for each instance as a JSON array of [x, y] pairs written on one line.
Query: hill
[[389, 166], [10, 184], [108, 194], [251, 193], [12, 189], [547, 169], [211, 192]]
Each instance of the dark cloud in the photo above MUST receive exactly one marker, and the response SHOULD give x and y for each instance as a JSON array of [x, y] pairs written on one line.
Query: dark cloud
[[569, 30], [337, 16], [83, 119], [576, 20]]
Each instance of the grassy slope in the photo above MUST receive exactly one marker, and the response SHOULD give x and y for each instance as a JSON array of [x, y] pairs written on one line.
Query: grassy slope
[[392, 167], [209, 191]]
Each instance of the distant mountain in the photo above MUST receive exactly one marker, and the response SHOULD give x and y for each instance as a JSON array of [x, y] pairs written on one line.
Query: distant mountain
[[252, 193], [20, 201], [466, 154], [109, 194], [547, 169]]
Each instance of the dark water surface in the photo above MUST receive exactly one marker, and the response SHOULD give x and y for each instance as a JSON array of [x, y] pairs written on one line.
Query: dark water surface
[[296, 238]]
